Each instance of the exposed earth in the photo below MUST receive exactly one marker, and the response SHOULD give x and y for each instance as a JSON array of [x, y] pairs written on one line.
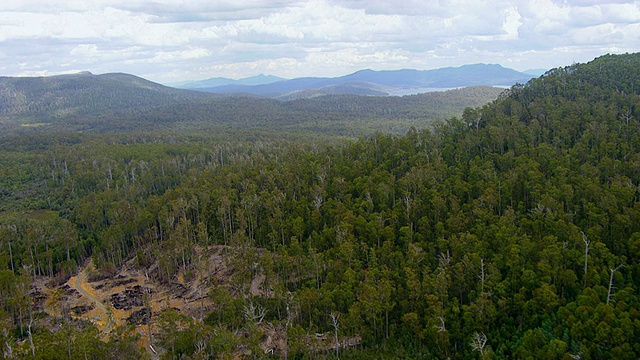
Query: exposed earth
[[130, 297]]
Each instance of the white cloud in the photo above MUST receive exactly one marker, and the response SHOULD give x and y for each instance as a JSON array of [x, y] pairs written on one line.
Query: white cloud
[[511, 23], [622, 13], [179, 55], [199, 39]]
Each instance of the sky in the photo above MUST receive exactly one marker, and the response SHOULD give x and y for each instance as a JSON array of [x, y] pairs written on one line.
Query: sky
[[171, 41]]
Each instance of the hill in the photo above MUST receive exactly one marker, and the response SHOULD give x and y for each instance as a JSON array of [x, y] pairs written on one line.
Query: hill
[[121, 102], [383, 82], [83, 94], [83, 101]]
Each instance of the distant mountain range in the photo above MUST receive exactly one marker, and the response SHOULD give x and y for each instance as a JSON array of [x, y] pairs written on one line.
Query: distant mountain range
[[123, 102], [367, 82], [222, 81]]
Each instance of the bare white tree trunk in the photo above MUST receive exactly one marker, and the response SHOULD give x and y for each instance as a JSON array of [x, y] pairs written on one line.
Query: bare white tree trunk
[[255, 313], [335, 322], [33, 348], [587, 242], [478, 342], [613, 271]]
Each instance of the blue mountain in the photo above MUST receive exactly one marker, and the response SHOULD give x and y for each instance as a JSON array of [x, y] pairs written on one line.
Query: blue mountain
[[222, 81], [381, 82]]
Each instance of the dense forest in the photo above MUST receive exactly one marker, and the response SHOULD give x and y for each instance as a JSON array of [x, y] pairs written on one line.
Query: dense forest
[[512, 231]]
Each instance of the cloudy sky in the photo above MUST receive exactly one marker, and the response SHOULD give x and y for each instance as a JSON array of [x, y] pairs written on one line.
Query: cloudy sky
[[169, 41]]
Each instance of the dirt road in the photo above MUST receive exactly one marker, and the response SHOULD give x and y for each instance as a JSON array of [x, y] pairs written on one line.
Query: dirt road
[[84, 288]]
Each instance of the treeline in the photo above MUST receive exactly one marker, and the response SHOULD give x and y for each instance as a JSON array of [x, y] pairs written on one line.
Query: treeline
[[513, 231]]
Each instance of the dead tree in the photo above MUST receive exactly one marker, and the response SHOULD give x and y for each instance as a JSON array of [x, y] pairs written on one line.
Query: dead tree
[[292, 313], [335, 322], [33, 348], [587, 242], [613, 271], [441, 327], [255, 313], [478, 342], [482, 276]]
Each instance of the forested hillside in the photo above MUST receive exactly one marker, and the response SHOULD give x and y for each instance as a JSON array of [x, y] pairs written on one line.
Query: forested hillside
[[124, 103], [83, 94], [512, 231]]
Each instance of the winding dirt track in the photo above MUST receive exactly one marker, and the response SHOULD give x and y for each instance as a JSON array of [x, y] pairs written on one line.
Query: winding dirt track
[[81, 285]]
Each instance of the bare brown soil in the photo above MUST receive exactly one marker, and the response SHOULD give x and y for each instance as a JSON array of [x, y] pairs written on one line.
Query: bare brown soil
[[131, 297]]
